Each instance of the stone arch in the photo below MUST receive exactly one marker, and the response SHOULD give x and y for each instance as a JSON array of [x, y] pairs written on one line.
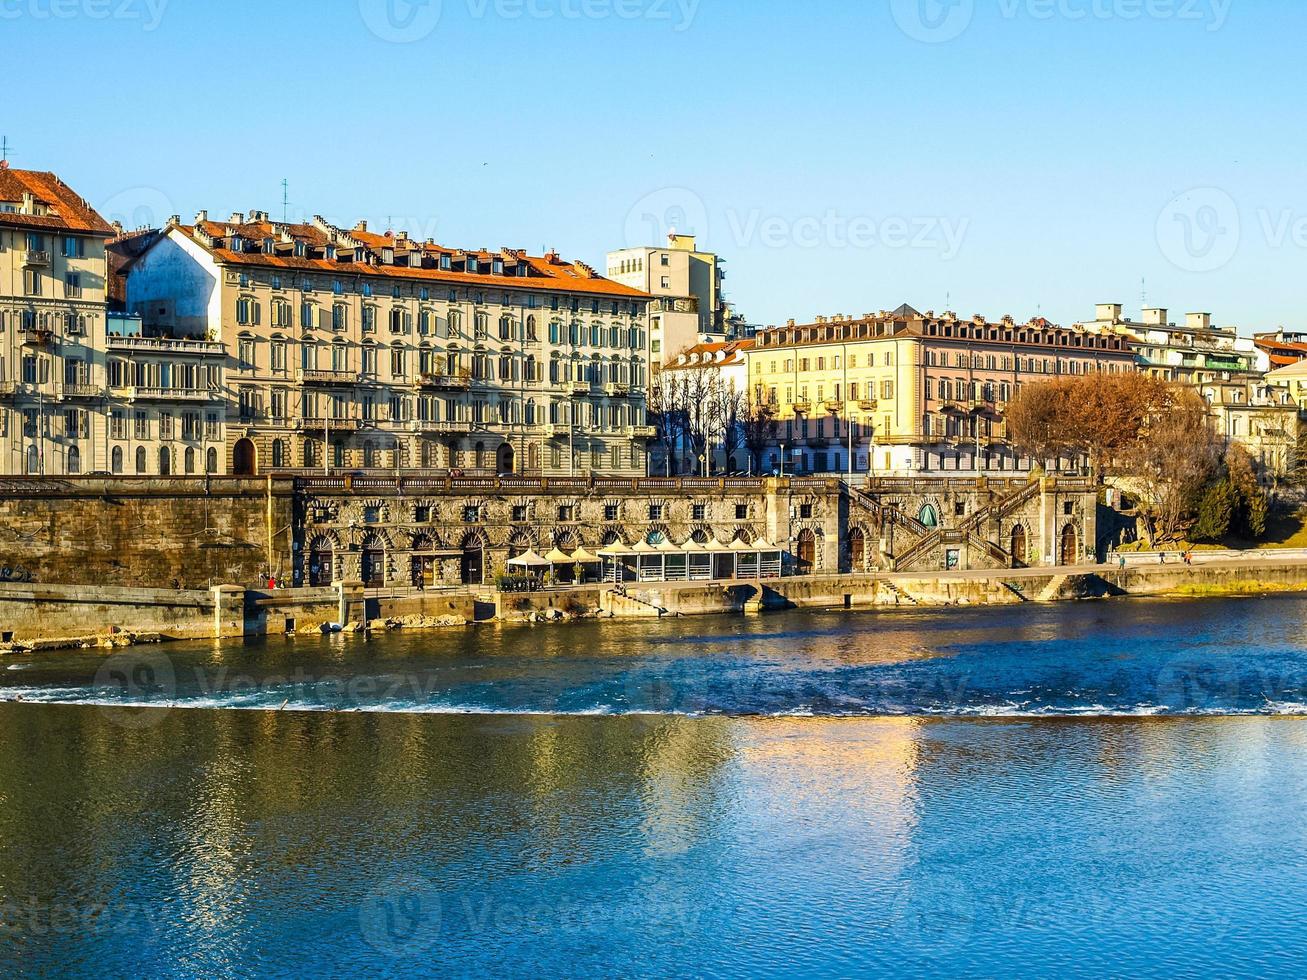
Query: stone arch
[[805, 554], [244, 458], [1069, 546], [566, 540], [1019, 545], [321, 560], [372, 559], [858, 556]]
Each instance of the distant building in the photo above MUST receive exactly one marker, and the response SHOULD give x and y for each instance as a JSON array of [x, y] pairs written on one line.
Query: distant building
[[715, 375], [1282, 348], [53, 303], [1193, 353], [686, 284], [349, 349], [904, 393]]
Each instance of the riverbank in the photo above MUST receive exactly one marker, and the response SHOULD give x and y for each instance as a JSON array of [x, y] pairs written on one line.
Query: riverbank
[[48, 617]]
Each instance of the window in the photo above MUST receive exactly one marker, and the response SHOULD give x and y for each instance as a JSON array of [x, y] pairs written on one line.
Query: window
[[741, 512], [519, 513], [471, 514], [566, 513], [339, 317], [655, 512], [73, 247], [610, 512], [369, 319], [72, 284], [698, 512]]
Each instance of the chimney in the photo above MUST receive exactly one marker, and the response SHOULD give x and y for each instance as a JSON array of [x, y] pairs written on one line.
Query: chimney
[[237, 218], [1109, 312], [1155, 317], [201, 217], [1199, 321], [361, 226]]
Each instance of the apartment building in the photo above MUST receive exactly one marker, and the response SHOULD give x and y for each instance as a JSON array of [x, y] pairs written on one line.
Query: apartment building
[[909, 393], [52, 326], [1193, 353], [348, 349], [688, 305]]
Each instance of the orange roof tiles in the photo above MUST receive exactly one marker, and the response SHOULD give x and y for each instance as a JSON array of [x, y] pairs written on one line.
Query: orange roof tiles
[[65, 210], [543, 272]]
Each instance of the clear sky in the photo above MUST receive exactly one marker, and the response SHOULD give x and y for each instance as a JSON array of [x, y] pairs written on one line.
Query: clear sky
[[845, 156]]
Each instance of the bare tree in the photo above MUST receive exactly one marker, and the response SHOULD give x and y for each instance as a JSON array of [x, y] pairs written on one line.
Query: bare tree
[[759, 429]]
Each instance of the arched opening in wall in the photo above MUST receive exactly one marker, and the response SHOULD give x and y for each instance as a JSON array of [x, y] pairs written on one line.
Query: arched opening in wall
[[857, 549], [188, 461], [140, 460], [32, 466], [1069, 549], [533, 457], [473, 561], [518, 544], [479, 457], [116, 460], [165, 461], [372, 566], [506, 460], [369, 455], [1019, 547], [806, 557], [929, 517], [244, 458], [211, 461], [74, 461], [424, 561], [322, 562], [279, 454]]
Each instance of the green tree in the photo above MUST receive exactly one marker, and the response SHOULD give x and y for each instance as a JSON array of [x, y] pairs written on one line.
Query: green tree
[[1215, 512]]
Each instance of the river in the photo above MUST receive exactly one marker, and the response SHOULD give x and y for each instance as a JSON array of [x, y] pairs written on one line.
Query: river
[[1094, 789]]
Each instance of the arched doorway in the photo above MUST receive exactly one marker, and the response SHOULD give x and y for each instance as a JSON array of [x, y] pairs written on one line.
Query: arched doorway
[[506, 459], [165, 461], [1019, 546], [473, 562], [1069, 551], [424, 561], [244, 459], [807, 553], [74, 460], [322, 562], [372, 566], [857, 549], [929, 517]]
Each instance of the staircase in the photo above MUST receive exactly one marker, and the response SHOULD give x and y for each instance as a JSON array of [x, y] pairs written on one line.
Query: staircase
[[899, 594], [622, 603], [1016, 591]]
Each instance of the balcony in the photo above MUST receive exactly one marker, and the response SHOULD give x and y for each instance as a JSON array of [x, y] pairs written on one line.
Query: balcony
[[71, 392], [578, 388], [37, 336], [868, 405], [642, 432], [801, 408], [617, 390], [335, 378], [834, 405], [166, 345], [8, 389], [144, 394], [36, 257], [315, 425], [433, 428], [446, 382]]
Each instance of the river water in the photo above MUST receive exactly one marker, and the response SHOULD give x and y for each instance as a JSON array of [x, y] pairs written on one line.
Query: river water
[[1090, 789]]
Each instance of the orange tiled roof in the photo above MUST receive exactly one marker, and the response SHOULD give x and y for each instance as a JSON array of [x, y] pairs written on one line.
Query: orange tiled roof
[[732, 351], [359, 253], [65, 210]]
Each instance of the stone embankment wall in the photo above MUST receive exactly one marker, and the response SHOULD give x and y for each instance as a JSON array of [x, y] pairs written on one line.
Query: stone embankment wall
[[136, 532]]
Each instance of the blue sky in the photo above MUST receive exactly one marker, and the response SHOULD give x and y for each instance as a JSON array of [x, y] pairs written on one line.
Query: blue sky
[[1008, 156]]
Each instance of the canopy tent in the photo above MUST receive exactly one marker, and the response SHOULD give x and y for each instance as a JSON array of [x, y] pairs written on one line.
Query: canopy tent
[[529, 559], [583, 557], [557, 557]]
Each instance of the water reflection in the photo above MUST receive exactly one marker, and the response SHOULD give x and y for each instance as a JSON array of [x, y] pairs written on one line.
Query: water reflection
[[220, 842]]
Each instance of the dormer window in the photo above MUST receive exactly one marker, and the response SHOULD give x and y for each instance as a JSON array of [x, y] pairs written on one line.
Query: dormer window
[[471, 264], [497, 267], [329, 250], [445, 262], [237, 243], [300, 249], [269, 246]]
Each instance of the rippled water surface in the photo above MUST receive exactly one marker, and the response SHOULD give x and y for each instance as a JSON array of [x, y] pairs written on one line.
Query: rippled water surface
[[1104, 789]]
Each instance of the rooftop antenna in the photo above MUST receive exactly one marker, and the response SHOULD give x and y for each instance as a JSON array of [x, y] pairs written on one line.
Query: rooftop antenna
[[4, 152], [1143, 293], [285, 199]]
